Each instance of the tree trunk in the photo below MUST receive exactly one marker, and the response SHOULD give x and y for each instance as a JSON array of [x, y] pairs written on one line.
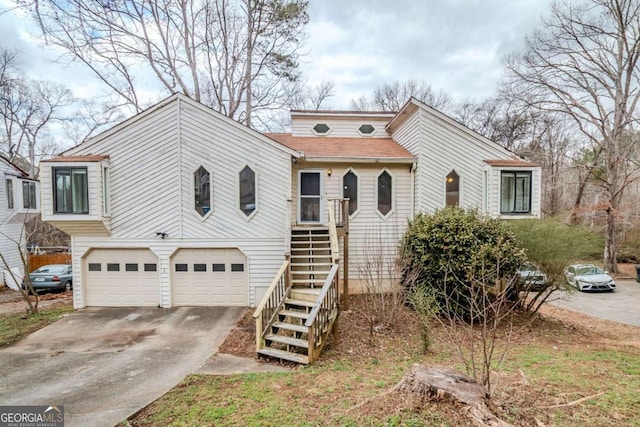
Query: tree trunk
[[249, 69], [610, 257], [441, 383]]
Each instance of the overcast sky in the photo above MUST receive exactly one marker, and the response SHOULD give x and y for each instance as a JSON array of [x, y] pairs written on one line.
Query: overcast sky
[[456, 45]]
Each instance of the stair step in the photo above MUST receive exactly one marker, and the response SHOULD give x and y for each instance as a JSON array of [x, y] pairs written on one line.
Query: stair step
[[311, 264], [294, 281], [307, 248], [307, 228], [286, 355], [293, 313], [296, 342], [307, 256], [299, 272], [299, 302], [291, 327]]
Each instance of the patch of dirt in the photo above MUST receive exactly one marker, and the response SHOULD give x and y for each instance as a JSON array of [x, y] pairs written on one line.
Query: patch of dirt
[[11, 301]]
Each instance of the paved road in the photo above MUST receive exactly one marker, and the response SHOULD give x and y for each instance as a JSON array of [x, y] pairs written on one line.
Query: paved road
[[105, 364], [622, 306]]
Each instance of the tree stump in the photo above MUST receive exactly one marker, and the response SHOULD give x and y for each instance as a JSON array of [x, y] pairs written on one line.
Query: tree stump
[[441, 383]]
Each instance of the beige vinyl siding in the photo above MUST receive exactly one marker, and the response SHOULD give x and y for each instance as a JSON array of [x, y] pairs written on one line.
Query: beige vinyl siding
[[366, 227], [230, 150], [143, 161], [442, 147], [494, 184], [264, 258], [340, 127]]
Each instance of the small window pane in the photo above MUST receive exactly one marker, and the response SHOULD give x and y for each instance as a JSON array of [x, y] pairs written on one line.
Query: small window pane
[[366, 129], [10, 194], [385, 196], [321, 128], [453, 189], [310, 184], [150, 267], [350, 190], [202, 191], [237, 267], [70, 189], [218, 267], [29, 195], [131, 267], [113, 267], [199, 267], [182, 267], [247, 191], [95, 266], [515, 192]]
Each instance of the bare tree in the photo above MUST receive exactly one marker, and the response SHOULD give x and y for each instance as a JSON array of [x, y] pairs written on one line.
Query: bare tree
[[584, 64], [233, 55], [392, 96]]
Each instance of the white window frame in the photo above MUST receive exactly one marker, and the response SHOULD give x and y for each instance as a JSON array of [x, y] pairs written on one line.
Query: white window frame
[[11, 200], [460, 181], [367, 135], [393, 194], [515, 172], [192, 199], [106, 186], [257, 181], [358, 189], [299, 198], [321, 134]]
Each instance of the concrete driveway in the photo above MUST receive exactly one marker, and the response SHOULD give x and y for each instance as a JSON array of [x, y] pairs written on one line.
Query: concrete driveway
[[104, 364], [620, 306]]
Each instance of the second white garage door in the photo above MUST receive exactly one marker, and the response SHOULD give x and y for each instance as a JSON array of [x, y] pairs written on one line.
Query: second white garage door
[[121, 278], [209, 277]]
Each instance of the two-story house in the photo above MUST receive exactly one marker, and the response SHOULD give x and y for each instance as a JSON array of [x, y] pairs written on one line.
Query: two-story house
[[19, 199]]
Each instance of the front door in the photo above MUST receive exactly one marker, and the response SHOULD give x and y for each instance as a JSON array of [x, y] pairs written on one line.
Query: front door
[[309, 197]]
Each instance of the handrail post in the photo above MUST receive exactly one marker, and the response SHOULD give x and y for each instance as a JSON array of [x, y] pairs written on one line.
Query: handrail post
[[345, 255], [287, 231]]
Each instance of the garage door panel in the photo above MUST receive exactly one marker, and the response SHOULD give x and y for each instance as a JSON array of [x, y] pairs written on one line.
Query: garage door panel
[[121, 278], [209, 277]]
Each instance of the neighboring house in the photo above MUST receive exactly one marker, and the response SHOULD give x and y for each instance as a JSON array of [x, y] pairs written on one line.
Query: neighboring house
[[19, 198], [180, 205]]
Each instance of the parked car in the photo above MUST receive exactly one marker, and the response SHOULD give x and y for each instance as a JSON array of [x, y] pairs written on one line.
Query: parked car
[[531, 278], [51, 277], [588, 277]]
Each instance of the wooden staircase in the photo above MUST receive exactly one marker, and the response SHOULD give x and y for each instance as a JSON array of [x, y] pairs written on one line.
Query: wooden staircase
[[310, 265], [300, 309]]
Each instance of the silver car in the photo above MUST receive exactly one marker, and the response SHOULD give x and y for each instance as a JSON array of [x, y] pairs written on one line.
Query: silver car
[[588, 277], [52, 277]]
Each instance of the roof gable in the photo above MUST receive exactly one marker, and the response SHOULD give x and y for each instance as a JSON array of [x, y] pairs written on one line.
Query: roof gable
[[12, 165], [414, 104], [177, 98]]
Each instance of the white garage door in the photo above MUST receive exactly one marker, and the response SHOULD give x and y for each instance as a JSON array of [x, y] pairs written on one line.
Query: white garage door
[[121, 278], [209, 277]]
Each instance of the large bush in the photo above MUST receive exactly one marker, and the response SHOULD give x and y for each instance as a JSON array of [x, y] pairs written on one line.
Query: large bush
[[455, 252]]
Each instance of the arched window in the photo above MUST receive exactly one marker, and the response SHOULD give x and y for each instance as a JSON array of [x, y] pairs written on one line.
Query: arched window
[[453, 189], [350, 190]]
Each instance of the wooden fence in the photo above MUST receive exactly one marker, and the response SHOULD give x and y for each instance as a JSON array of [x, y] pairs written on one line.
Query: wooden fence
[[37, 261]]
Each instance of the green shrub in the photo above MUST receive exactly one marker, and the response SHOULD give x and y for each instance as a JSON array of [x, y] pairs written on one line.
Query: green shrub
[[453, 250]]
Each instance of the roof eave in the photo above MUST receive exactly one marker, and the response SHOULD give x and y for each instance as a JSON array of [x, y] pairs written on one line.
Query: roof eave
[[329, 159]]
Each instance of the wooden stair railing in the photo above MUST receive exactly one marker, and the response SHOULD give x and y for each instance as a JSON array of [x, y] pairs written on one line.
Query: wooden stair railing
[[272, 303], [301, 307]]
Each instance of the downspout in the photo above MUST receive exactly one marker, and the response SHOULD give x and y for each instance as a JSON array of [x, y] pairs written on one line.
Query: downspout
[[414, 166]]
